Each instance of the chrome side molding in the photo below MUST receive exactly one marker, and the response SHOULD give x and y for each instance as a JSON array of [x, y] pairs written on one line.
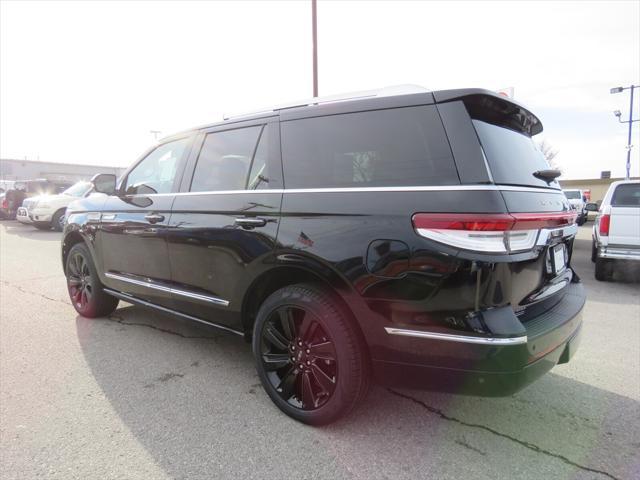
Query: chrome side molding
[[456, 338], [175, 291]]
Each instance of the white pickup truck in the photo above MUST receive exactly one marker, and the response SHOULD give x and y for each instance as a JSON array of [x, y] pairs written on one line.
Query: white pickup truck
[[616, 232], [577, 200]]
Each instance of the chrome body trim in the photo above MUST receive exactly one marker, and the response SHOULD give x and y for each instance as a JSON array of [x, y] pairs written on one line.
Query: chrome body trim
[[175, 291], [131, 299], [619, 253], [546, 234], [456, 338], [441, 188]]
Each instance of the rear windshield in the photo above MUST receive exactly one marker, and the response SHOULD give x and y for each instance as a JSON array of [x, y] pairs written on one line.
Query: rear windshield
[[513, 157], [572, 194], [627, 195], [395, 147]]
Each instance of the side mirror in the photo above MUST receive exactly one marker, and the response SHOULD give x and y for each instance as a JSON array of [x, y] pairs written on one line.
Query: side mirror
[[104, 183], [591, 207]]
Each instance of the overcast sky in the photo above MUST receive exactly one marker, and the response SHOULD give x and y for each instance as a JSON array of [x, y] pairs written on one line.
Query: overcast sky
[[87, 81]]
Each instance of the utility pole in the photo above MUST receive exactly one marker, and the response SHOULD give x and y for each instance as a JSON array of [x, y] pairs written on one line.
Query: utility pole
[[314, 30], [618, 114], [155, 134]]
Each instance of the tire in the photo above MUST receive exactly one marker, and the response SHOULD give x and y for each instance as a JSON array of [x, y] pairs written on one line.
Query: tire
[[57, 222], [310, 356], [594, 251], [581, 220], [42, 226], [84, 286], [603, 269]]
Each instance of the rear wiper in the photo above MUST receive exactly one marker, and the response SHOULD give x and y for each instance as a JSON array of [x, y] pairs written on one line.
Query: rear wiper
[[547, 175]]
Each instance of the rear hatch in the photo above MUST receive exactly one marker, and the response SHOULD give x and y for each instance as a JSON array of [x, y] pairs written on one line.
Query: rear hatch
[[624, 223], [524, 255]]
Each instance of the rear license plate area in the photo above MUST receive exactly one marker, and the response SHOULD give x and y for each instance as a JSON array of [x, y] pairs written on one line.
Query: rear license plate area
[[558, 258]]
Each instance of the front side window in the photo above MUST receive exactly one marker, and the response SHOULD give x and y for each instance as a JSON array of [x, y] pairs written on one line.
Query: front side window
[[156, 173], [225, 159], [394, 147]]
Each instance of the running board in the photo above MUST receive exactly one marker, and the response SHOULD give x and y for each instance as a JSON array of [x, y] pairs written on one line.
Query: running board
[[131, 299]]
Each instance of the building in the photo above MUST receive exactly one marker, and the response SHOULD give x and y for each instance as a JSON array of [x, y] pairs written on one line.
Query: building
[[13, 169], [596, 186]]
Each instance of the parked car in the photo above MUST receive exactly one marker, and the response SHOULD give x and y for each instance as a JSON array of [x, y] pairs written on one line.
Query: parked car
[[48, 211], [25, 189], [616, 232], [419, 240], [578, 200]]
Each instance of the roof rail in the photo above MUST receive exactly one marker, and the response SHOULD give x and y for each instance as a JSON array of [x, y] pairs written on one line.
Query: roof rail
[[382, 92]]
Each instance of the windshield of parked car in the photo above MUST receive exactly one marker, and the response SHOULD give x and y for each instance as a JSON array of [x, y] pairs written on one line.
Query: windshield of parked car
[[572, 194], [79, 189]]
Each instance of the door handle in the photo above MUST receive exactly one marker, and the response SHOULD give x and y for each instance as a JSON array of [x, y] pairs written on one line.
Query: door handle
[[154, 217], [250, 222]]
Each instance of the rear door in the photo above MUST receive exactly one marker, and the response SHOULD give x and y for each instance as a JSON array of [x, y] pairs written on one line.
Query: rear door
[[224, 222], [624, 227], [133, 225]]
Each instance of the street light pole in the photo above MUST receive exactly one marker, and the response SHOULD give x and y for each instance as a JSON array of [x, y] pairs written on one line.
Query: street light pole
[[629, 138], [314, 30], [630, 122]]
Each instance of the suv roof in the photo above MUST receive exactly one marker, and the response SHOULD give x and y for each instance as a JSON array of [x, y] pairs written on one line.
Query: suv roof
[[389, 97]]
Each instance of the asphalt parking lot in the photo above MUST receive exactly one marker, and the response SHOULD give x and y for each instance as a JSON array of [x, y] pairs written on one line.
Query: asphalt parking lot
[[142, 396]]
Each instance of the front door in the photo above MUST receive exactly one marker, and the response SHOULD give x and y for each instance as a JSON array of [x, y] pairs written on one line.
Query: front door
[[223, 227], [132, 233]]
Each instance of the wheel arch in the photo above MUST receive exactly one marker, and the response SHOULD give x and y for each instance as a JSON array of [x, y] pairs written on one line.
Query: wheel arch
[[285, 275]]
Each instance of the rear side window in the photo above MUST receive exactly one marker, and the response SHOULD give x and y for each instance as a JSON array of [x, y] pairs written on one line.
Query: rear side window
[[225, 160], [626, 195], [395, 147], [512, 156]]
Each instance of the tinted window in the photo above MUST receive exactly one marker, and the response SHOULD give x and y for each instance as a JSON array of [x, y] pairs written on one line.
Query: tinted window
[[572, 194], [626, 195], [513, 157], [224, 160], [156, 173], [396, 147]]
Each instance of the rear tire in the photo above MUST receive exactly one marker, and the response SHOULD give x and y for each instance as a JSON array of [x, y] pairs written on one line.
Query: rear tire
[[42, 226], [603, 269], [84, 286], [594, 251], [310, 356]]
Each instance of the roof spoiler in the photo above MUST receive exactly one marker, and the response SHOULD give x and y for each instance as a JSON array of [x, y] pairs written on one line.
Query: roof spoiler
[[493, 108]]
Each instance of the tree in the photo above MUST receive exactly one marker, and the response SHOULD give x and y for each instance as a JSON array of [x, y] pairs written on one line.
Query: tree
[[549, 153]]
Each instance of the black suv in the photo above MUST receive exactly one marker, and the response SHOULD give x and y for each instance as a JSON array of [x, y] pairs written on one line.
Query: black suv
[[420, 240]]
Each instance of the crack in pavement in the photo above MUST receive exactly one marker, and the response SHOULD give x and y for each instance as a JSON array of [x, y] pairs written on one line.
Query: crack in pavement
[[122, 321], [23, 290], [530, 446]]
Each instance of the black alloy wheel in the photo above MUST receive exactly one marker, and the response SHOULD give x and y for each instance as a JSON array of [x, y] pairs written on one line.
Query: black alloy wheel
[[85, 289], [79, 281], [299, 358], [310, 355]]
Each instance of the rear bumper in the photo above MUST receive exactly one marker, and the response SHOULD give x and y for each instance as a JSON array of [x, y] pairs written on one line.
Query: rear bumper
[[619, 252], [488, 369]]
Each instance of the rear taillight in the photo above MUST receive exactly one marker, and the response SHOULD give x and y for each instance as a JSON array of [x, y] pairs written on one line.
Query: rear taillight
[[490, 232], [5, 203], [605, 223]]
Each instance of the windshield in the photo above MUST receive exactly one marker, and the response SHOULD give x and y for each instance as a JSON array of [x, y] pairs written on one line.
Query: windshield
[[513, 157], [78, 190], [572, 194]]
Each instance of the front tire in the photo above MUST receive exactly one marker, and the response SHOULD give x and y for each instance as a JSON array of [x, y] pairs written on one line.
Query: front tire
[[84, 286], [57, 222], [309, 355]]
